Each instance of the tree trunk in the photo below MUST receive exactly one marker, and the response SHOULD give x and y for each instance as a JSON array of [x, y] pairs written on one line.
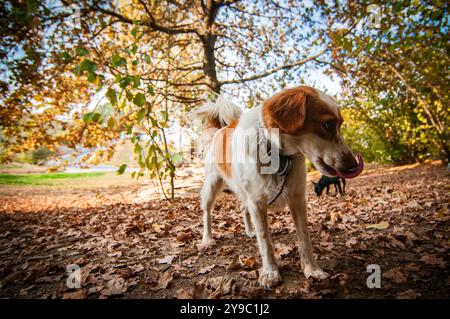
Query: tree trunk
[[208, 40]]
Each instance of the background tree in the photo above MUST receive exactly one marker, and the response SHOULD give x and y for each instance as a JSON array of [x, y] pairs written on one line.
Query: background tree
[[399, 67], [148, 58], [90, 73]]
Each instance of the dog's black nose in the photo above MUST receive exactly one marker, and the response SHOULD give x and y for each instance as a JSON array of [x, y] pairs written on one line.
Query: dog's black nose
[[351, 168], [350, 164]]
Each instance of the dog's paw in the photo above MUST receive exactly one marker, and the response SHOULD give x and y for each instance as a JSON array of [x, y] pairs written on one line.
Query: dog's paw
[[269, 279], [206, 244], [314, 272]]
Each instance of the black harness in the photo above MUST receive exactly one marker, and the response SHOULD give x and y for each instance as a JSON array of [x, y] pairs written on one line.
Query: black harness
[[285, 167]]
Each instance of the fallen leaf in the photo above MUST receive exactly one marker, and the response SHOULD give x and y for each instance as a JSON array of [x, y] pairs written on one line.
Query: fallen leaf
[[395, 275], [382, 225], [412, 267], [249, 263], [182, 237], [410, 238], [222, 286], [335, 217], [184, 293], [115, 286], [159, 228], [137, 268], [441, 213], [433, 260], [408, 294], [235, 264], [164, 280], [206, 269], [77, 294], [351, 242], [282, 250], [249, 274], [342, 278], [413, 204], [167, 260], [396, 243]]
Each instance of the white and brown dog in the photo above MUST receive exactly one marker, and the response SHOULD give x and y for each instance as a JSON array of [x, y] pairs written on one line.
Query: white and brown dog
[[302, 122]]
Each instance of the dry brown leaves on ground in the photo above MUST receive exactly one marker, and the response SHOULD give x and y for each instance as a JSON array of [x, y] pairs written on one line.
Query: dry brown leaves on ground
[[397, 218]]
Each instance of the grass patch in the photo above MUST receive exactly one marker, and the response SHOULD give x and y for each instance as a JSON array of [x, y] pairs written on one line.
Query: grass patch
[[44, 178]]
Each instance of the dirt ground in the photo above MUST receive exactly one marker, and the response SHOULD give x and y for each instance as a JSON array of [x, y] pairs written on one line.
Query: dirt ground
[[397, 218]]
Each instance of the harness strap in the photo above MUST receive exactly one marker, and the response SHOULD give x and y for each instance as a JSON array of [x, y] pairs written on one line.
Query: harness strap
[[286, 164]]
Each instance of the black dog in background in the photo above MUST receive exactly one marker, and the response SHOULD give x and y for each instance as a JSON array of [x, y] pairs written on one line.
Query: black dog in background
[[326, 181]]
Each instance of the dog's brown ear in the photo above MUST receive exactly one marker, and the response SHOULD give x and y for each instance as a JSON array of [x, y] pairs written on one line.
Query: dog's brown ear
[[286, 110]]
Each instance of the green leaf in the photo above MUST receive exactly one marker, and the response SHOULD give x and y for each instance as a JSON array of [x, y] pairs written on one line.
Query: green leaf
[[134, 48], [164, 116], [92, 77], [140, 114], [129, 129], [134, 32], [151, 90], [32, 6], [397, 7], [139, 99], [76, 70], [112, 96], [137, 149], [125, 81], [146, 58], [136, 81], [176, 158], [122, 169], [66, 57], [92, 117], [117, 60], [111, 122], [88, 65], [81, 51]]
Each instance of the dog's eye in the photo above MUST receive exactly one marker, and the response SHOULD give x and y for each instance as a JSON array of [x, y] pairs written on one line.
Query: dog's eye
[[329, 125]]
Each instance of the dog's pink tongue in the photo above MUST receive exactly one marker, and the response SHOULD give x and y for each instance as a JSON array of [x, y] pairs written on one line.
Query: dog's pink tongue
[[356, 171]]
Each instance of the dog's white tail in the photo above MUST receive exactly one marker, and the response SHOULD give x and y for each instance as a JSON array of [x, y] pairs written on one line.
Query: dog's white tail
[[217, 115], [220, 113]]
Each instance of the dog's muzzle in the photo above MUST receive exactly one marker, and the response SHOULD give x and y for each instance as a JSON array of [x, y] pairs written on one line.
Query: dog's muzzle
[[354, 171]]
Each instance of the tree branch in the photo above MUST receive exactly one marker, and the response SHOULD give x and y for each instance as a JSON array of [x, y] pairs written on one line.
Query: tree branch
[[151, 23], [274, 70]]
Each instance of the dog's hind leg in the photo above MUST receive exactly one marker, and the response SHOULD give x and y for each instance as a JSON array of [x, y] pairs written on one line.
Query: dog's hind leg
[[249, 229], [343, 185], [213, 185]]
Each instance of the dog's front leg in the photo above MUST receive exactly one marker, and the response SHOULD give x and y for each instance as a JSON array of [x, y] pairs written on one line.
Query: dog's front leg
[[269, 276], [297, 206]]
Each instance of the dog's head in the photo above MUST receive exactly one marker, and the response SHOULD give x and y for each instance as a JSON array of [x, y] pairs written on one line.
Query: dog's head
[[310, 122], [318, 189]]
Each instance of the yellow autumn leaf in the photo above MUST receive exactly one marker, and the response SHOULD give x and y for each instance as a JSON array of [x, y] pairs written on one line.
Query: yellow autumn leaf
[[382, 225]]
